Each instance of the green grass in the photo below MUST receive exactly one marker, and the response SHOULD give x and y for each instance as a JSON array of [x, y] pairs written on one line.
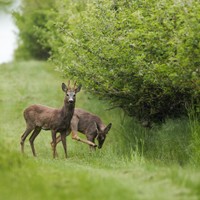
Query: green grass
[[134, 163]]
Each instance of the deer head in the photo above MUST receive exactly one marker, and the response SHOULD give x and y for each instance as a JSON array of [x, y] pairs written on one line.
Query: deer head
[[101, 135], [70, 92]]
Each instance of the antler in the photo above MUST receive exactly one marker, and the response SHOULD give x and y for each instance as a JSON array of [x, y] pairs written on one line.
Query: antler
[[68, 85], [74, 84], [69, 88]]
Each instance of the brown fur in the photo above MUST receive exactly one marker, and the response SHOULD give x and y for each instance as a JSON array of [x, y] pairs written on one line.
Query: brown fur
[[39, 117], [89, 124]]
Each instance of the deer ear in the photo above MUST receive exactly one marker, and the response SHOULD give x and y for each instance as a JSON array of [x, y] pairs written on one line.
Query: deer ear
[[78, 88], [108, 128], [64, 87]]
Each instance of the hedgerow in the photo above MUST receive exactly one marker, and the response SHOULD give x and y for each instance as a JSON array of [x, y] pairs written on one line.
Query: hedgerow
[[142, 56]]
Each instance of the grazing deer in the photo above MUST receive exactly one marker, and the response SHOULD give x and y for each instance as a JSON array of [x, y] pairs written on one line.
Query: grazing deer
[[88, 124], [57, 120]]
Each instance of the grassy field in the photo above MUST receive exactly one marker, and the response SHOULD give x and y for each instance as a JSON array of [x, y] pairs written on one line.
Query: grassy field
[[111, 173]]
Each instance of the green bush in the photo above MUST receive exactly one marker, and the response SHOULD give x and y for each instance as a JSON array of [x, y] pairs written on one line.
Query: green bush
[[33, 15], [143, 56], [4, 4]]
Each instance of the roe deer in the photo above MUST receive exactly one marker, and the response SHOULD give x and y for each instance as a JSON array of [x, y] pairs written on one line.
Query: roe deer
[[89, 124], [39, 117]]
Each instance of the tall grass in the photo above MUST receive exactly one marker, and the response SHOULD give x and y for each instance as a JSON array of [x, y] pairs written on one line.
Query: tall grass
[[166, 143], [194, 122]]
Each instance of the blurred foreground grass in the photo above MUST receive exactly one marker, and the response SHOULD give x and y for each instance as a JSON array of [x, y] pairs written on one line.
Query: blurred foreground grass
[[104, 174]]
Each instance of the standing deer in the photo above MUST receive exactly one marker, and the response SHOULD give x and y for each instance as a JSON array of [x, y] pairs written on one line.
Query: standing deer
[[39, 117], [89, 124]]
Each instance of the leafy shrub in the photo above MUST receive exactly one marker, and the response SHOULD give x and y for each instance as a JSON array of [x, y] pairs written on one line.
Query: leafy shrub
[[33, 15], [143, 56], [5, 3]]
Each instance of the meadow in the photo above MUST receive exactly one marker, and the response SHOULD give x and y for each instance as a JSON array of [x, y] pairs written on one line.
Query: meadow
[[134, 163]]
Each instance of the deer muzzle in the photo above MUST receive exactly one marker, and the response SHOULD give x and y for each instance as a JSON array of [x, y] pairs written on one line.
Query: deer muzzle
[[71, 101]]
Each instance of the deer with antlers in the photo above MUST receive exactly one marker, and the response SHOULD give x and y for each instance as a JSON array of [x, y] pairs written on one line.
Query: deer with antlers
[[40, 117]]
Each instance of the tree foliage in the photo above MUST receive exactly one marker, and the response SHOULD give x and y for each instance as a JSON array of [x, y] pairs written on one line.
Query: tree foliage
[[143, 56], [32, 16]]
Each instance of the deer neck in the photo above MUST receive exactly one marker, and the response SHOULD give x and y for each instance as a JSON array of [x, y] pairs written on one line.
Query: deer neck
[[68, 110]]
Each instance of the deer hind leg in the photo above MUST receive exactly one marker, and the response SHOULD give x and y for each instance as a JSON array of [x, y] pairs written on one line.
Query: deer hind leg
[[24, 136], [32, 138], [76, 137], [58, 139]]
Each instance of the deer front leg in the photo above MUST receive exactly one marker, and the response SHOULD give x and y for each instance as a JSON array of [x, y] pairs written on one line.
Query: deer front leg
[[91, 139], [63, 139], [53, 134], [75, 137]]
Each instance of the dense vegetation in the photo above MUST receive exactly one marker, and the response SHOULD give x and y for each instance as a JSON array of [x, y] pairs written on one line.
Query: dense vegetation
[[35, 14], [5, 3], [143, 56], [134, 163]]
